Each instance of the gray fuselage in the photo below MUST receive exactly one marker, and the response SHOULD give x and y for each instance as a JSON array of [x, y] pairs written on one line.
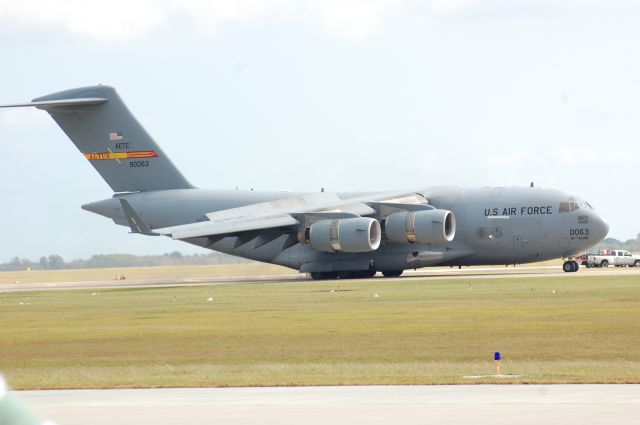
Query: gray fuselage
[[495, 225]]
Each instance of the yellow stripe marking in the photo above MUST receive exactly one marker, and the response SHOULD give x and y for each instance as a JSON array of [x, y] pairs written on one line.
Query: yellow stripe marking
[[102, 156], [117, 159]]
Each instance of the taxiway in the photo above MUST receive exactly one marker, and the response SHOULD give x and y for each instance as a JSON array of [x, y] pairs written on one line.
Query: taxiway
[[447, 404]]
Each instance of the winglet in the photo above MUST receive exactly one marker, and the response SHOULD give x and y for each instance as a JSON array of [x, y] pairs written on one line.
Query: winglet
[[136, 223]]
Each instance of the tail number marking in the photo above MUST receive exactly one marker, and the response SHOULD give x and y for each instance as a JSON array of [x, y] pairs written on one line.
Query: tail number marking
[[579, 234]]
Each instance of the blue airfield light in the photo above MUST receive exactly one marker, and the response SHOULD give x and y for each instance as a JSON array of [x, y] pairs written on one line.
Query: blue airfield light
[[497, 357]]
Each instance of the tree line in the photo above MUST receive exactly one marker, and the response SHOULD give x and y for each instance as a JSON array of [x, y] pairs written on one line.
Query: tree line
[[632, 245], [175, 258]]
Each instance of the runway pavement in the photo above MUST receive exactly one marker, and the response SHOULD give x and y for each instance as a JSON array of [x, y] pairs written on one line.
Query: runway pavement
[[457, 404], [427, 273]]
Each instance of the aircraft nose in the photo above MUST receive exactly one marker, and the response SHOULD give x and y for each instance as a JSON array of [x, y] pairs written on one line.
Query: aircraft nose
[[599, 228]]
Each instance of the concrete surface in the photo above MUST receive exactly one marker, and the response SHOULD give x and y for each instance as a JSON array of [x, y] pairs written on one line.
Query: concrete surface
[[457, 404]]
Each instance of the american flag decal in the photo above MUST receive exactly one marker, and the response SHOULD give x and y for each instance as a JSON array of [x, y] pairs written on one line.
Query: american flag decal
[[115, 135]]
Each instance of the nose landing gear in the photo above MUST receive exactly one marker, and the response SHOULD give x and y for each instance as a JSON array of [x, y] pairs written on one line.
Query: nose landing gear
[[570, 266]]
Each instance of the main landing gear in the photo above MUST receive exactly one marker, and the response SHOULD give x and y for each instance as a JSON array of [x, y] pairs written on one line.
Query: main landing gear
[[570, 266], [360, 274]]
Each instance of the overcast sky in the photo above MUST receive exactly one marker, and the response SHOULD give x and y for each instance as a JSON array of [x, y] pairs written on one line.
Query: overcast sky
[[341, 94]]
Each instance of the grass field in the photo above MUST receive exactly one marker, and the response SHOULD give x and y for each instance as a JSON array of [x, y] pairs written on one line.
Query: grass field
[[133, 273], [550, 330]]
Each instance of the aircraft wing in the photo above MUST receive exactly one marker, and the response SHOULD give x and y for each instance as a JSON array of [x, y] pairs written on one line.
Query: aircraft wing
[[228, 226], [289, 212]]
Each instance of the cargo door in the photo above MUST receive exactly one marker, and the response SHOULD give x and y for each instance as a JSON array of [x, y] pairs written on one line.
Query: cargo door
[[517, 243]]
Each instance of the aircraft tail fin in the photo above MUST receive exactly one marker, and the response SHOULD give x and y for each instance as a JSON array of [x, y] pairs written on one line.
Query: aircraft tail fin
[[109, 136]]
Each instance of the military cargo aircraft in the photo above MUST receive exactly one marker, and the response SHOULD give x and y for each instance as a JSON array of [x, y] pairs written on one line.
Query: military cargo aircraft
[[327, 235]]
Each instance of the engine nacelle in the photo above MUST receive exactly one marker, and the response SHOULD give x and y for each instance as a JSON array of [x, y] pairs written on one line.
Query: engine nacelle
[[361, 234], [428, 226]]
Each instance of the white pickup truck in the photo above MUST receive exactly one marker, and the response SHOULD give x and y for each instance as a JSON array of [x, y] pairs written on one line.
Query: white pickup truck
[[610, 257]]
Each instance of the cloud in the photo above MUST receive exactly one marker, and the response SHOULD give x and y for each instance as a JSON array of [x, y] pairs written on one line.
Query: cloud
[[209, 14], [122, 20], [23, 117], [354, 19], [351, 19], [115, 20]]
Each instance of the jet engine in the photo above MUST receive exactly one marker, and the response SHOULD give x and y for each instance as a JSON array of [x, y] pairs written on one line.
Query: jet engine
[[361, 234], [428, 226]]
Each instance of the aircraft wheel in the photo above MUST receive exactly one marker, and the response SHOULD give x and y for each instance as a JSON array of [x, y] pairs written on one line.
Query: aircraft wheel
[[363, 274], [567, 266], [604, 264], [357, 274], [392, 273], [576, 266], [323, 275]]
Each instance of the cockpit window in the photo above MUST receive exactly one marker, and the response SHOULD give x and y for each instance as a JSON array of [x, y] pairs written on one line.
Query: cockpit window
[[566, 207]]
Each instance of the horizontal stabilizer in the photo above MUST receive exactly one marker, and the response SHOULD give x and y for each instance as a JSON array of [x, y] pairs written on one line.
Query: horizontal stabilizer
[[46, 104], [136, 223]]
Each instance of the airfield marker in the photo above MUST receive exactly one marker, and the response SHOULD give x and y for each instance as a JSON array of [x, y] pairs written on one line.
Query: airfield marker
[[497, 358]]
